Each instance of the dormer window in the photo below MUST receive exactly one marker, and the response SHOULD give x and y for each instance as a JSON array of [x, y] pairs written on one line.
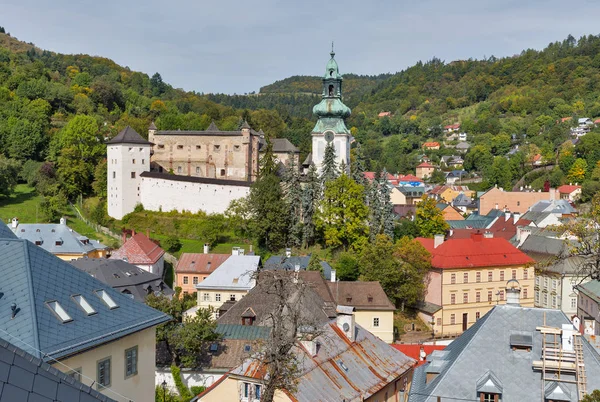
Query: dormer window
[[58, 242], [348, 299], [370, 298]]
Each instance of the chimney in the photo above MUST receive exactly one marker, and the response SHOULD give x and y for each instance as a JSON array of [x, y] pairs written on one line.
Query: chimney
[[516, 217], [241, 251], [311, 346], [123, 237], [506, 215], [15, 223], [206, 248], [296, 272], [488, 235], [63, 221], [132, 232], [333, 276], [513, 293], [438, 239], [235, 251], [345, 321], [568, 332], [496, 206], [288, 252]]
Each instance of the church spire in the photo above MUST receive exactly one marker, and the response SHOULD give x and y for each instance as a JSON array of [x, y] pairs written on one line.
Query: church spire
[[332, 105]]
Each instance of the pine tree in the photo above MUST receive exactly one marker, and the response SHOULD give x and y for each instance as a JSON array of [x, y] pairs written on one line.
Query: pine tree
[[330, 169], [310, 196], [293, 196], [387, 209], [357, 167]]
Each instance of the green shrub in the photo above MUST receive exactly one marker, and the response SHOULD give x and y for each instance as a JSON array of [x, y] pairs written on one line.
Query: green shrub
[[172, 244], [184, 392], [198, 389]]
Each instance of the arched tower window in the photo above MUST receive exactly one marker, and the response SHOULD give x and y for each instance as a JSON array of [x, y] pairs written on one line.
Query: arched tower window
[[331, 73], [331, 90]]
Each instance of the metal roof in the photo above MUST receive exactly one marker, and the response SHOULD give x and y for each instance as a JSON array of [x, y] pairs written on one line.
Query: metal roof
[[485, 348], [129, 136], [236, 273], [32, 277], [289, 264], [57, 238]]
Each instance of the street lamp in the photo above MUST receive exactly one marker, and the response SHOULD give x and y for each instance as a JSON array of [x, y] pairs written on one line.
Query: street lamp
[[164, 387]]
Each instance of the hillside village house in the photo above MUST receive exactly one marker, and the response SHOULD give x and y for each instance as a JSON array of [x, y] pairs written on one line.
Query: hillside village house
[[424, 170], [468, 277], [452, 128], [343, 363], [569, 192], [59, 239], [428, 146], [142, 252], [448, 193], [450, 212], [406, 195], [193, 268], [514, 201], [76, 323]]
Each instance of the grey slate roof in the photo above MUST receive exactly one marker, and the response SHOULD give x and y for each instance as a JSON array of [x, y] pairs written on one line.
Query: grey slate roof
[[49, 234], [248, 332], [24, 377], [289, 264], [128, 136], [32, 276], [236, 273], [555, 207], [283, 145], [544, 245], [485, 348], [6, 232], [536, 216], [124, 277]]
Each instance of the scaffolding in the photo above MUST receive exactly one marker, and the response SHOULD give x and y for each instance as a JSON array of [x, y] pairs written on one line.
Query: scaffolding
[[559, 364]]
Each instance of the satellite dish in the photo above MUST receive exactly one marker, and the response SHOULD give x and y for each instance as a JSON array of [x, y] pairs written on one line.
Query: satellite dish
[[346, 327]]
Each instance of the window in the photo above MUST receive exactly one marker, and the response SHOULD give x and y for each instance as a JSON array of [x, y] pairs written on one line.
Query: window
[[501, 295], [465, 297], [131, 361], [257, 392], [143, 161], [105, 297], [130, 149], [216, 148], [525, 274], [452, 319], [490, 276], [197, 169], [59, 311], [236, 148], [501, 275], [553, 301], [453, 278], [114, 175], [524, 293], [477, 297], [246, 392], [185, 280], [376, 321], [103, 373], [133, 161], [477, 315], [179, 146], [453, 298], [179, 169], [198, 147], [466, 277], [573, 302], [485, 397], [514, 274], [206, 296], [231, 297], [439, 321], [195, 280], [76, 374], [536, 297], [554, 284], [133, 175], [218, 297], [545, 281], [537, 280], [161, 146], [83, 304], [222, 172], [489, 295], [140, 149], [478, 277]]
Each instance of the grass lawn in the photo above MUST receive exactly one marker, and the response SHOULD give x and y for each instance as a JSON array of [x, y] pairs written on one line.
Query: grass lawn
[[23, 204]]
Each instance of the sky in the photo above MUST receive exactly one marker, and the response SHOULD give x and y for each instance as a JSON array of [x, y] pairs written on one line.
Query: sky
[[233, 46]]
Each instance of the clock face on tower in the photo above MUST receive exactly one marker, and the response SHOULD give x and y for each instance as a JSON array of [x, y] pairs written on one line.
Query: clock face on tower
[[328, 136]]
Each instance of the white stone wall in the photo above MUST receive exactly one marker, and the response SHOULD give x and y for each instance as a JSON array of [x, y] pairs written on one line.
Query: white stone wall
[[167, 195], [156, 268], [558, 290], [123, 160], [341, 143], [190, 378]]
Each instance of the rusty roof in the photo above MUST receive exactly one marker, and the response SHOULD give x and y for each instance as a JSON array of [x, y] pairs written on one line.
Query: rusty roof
[[361, 295], [341, 370], [200, 263]]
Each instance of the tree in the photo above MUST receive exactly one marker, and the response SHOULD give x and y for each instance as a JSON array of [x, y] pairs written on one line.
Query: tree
[[329, 168], [157, 85], [417, 263], [293, 196], [310, 196], [346, 267], [100, 179], [357, 166], [314, 264], [172, 244], [9, 169], [478, 158], [342, 213], [578, 171], [187, 340], [380, 207], [429, 218], [593, 397]]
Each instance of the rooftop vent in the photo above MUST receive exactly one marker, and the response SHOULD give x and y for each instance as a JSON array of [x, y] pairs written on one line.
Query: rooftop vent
[[521, 341]]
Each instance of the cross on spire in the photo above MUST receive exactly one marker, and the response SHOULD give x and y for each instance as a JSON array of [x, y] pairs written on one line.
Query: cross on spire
[[332, 52]]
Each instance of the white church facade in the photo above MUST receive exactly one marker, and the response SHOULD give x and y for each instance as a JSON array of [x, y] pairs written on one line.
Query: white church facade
[[185, 182]]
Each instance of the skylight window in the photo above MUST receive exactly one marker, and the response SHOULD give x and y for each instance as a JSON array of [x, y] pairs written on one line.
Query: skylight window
[[83, 304], [59, 311], [342, 365], [105, 297]]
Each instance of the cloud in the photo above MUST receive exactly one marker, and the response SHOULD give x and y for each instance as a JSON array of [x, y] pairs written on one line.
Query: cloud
[[236, 46]]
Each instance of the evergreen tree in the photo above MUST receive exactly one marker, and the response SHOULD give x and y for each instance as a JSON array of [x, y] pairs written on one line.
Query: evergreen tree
[[310, 194], [380, 207], [330, 169], [387, 209], [293, 197], [429, 218], [357, 166]]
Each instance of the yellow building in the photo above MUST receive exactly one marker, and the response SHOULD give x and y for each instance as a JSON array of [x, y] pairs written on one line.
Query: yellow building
[[468, 277], [446, 193], [345, 362], [59, 239]]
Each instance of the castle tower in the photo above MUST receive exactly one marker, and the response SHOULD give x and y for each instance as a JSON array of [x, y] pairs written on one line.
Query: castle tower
[[331, 111], [128, 156]]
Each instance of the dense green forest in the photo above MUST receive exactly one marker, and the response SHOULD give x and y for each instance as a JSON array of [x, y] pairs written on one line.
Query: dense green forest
[[56, 111]]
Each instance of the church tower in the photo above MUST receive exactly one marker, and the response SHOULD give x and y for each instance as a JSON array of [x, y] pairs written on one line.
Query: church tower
[[331, 111], [128, 156]]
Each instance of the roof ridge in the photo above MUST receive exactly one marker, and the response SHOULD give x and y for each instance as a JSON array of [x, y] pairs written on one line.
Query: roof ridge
[[36, 340]]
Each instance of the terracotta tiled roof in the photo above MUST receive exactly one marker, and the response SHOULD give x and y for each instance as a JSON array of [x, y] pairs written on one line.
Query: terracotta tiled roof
[[200, 263], [431, 144], [568, 188], [409, 177], [565, 119], [139, 249], [475, 251], [361, 295], [384, 114], [438, 189], [413, 350], [537, 157], [452, 126], [426, 165]]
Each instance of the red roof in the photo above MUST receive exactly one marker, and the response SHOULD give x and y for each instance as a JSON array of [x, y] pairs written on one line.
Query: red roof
[[596, 121], [565, 119], [501, 228], [537, 157], [409, 177], [426, 165], [452, 126], [431, 144], [369, 175], [413, 350], [383, 114], [475, 251], [139, 249], [200, 263], [567, 188]]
